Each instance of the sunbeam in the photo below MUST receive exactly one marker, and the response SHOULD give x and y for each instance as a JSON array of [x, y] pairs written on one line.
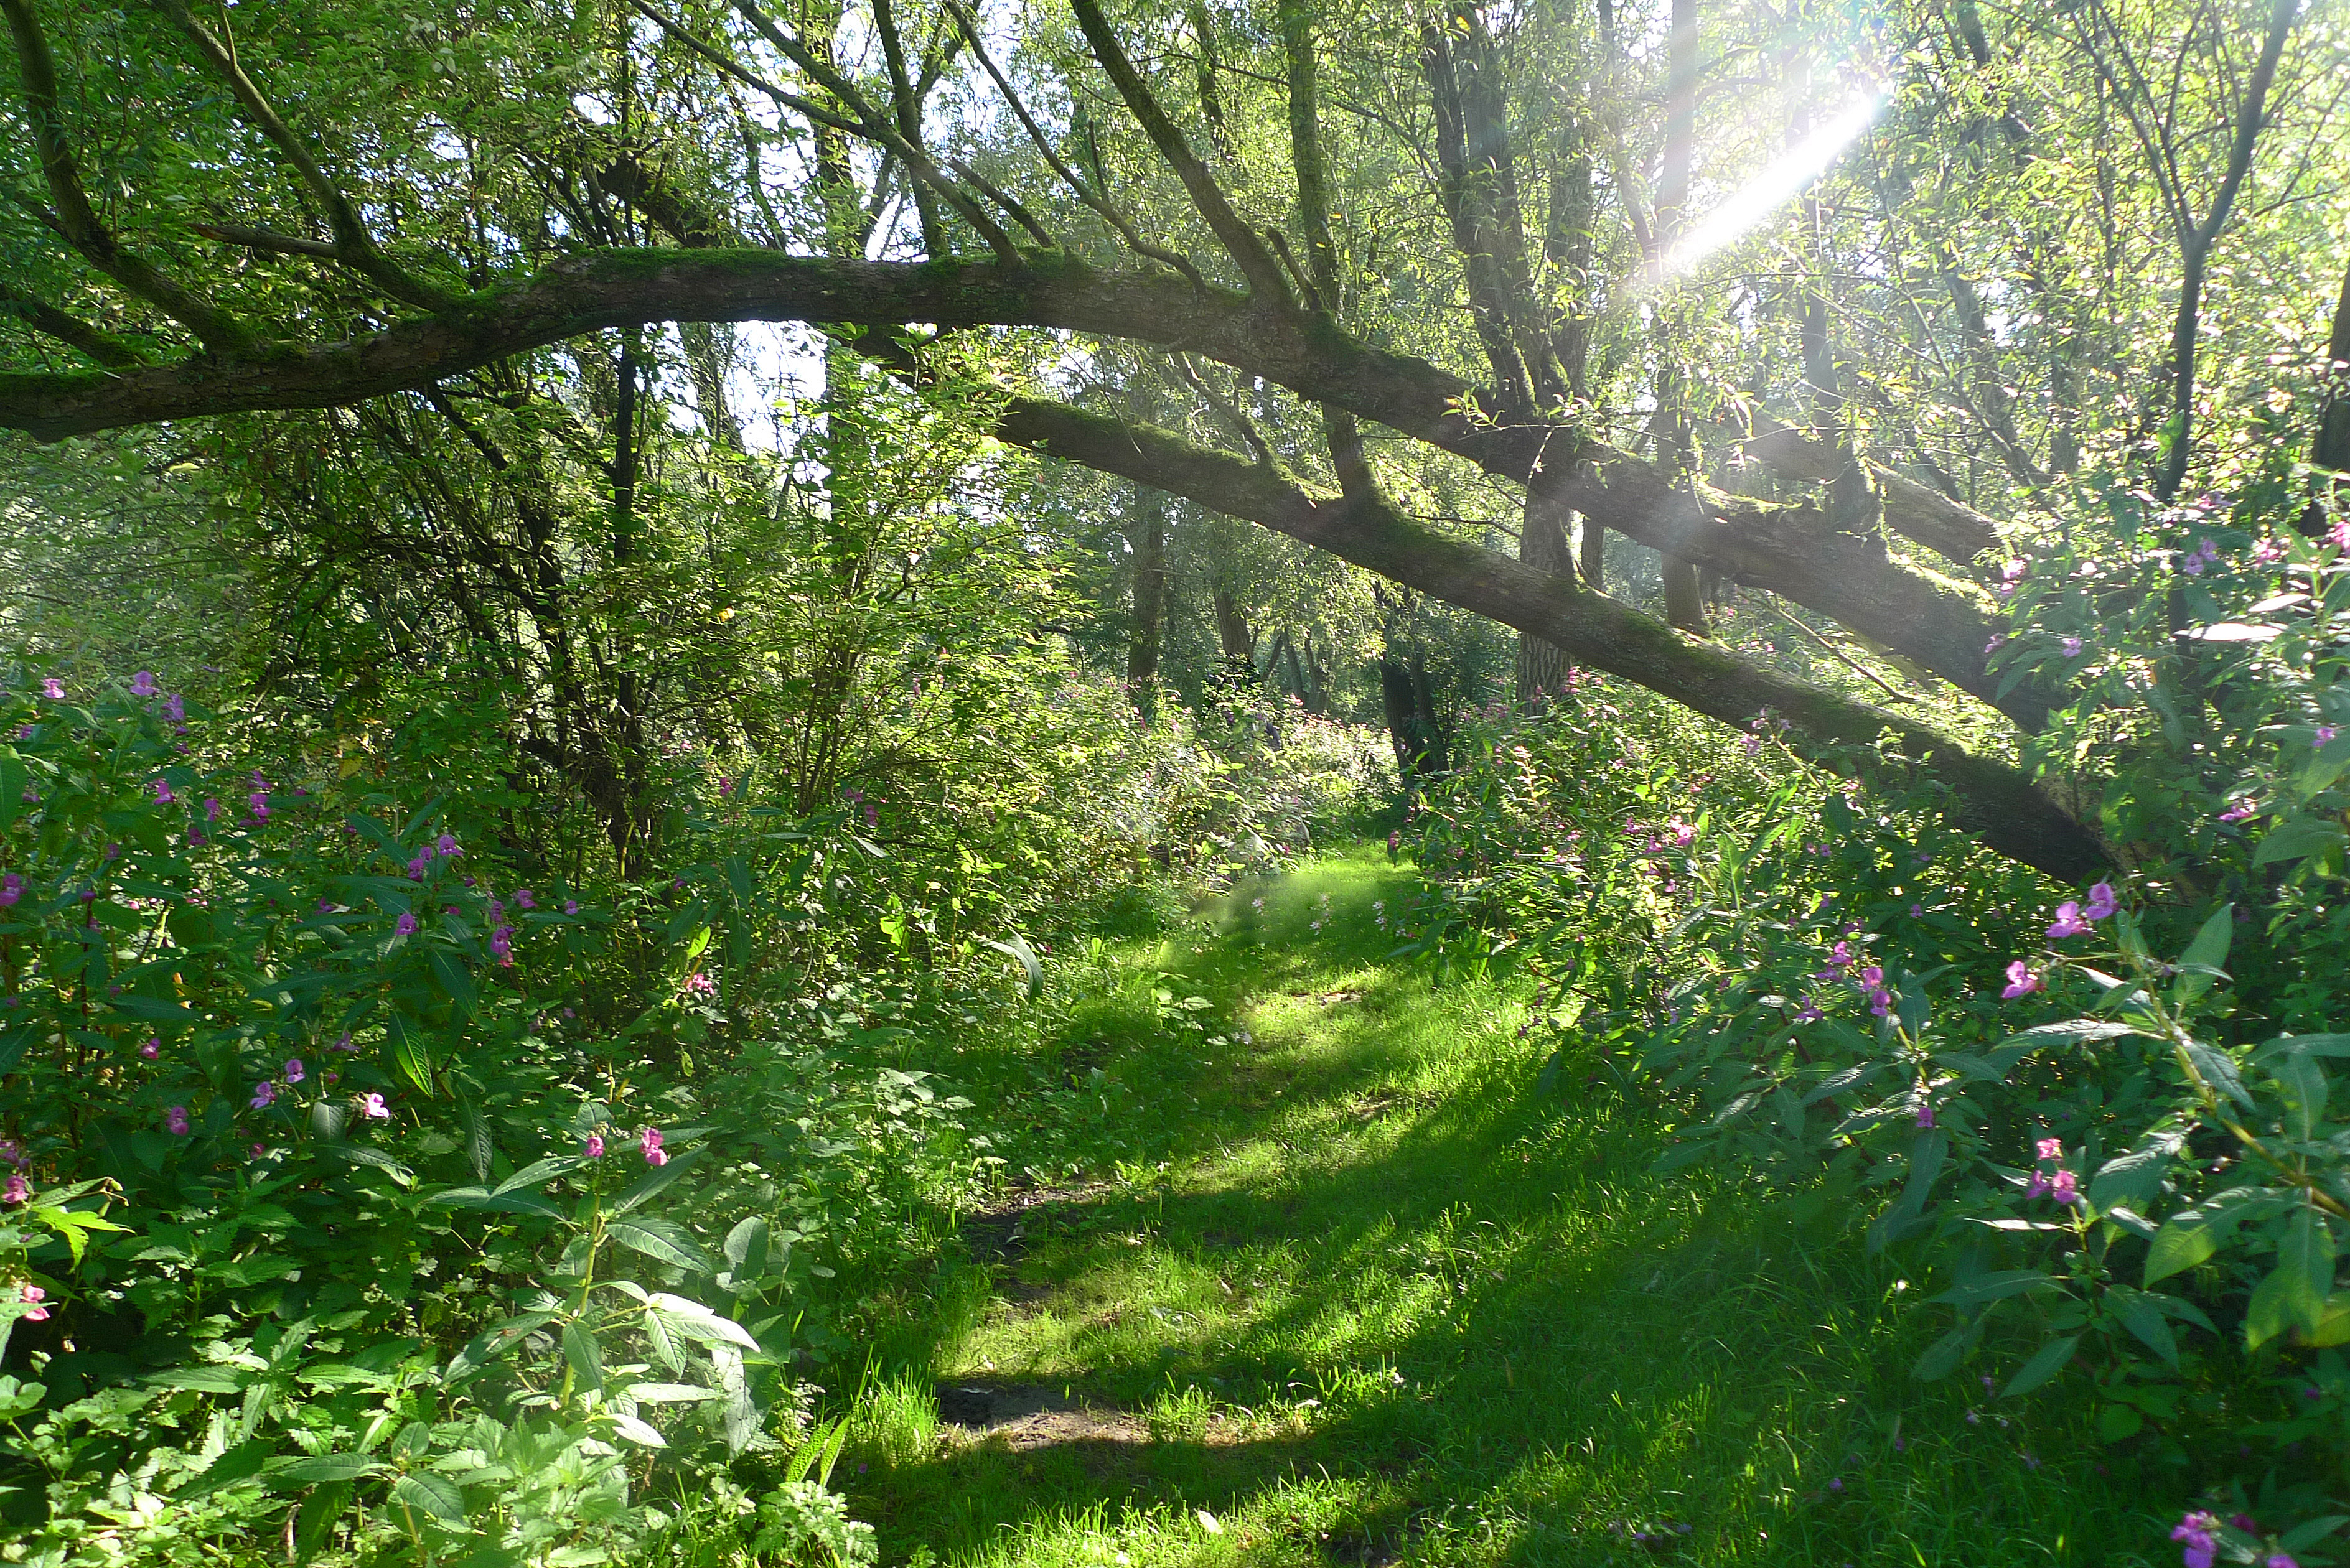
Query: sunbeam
[[1758, 197]]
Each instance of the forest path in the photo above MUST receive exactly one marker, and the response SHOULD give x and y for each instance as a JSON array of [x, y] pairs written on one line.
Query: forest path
[[1341, 1288]]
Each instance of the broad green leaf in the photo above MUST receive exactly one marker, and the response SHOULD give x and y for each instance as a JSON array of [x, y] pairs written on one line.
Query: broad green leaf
[[2295, 1292], [696, 1321], [663, 1240], [1017, 947], [651, 1184], [435, 1495], [638, 1431], [587, 1358], [2193, 1235], [671, 1393], [2296, 839], [154, 1010], [2050, 1360], [241, 1463], [2304, 1090], [2132, 1179], [410, 1053], [1992, 1287], [324, 1467], [2143, 1317], [1942, 1357], [456, 982]]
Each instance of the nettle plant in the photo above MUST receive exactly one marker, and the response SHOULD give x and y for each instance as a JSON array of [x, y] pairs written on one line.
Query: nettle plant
[[326, 1217]]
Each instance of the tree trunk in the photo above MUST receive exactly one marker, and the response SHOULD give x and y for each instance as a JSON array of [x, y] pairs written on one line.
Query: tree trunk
[[1147, 535], [1542, 666]]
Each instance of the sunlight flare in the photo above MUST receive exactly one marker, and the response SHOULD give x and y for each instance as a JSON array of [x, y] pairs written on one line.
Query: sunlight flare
[[1787, 178]]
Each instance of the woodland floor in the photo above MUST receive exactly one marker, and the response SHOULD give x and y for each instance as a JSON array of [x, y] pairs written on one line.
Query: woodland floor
[[1351, 1291]]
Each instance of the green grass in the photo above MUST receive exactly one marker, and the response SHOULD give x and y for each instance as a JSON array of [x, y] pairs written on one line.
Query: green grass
[[1372, 1299]]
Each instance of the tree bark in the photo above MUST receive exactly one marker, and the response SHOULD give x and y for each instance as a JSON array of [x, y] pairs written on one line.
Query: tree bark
[[1149, 536], [1991, 798]]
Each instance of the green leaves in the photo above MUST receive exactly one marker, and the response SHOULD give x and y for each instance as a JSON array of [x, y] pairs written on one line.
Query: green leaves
[[2294, 1293], [663, 1240]]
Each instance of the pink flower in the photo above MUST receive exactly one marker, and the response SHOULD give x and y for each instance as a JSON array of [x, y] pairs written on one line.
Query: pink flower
[[2240, 812], [2200, 1532], [35, 1294], [2069, 922], [2269, 552], [263, 1095], [2071, 648], [19, 1188], [294, 1069], [163, 789], [404, 926], [2020, 981], [151, 1048], [2325, 733], [54, 689], [650, 1143], [143, 685], [2102, 901], [595, 1146], [372, 1108], [175, 1121], [699, 985], [2064, 1188], [2050, 1148]]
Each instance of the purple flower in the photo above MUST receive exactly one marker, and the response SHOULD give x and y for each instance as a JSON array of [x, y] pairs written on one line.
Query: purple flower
[[502, 944], [2238, 812], [2037, 1186], [2071, 648], [2020, 981], [1926, 1112], [54, 689], [447, 845], [2102, 901], [294, 1069], [2200, 1532], [212, 809], [405, 925], [524, 900], [175, 1121], [143, 685], [151, 1048], [416, 868], [2069, 922], [2064, 1188], [2325, 733], [650, 1143], [265, 1096], [17, 1190], [595, 1146], [498, 910], [570, 906], [163, 789], [259, 800], [372, 1108], [2273, 1559], [175, 708], [344, 1044], [1811, 1013], [12, 888]]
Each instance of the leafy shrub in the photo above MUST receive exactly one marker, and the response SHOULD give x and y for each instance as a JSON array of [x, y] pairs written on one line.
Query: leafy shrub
[[2100, 1121]]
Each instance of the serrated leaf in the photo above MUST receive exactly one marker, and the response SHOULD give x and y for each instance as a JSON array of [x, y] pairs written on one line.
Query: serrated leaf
[[435, 1495], [241, 1463], [324, 1467], [586, 1357], [2051, 1360], [2294, 1293], [654, 1180], [663, 1240], [481, 1148], [696, 1321]]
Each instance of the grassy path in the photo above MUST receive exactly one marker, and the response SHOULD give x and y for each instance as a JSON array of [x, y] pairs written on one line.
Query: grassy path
[[1340, 1289]]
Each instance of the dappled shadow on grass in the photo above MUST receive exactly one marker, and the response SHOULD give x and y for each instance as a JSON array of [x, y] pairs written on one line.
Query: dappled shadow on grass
[[1427, 1318]]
